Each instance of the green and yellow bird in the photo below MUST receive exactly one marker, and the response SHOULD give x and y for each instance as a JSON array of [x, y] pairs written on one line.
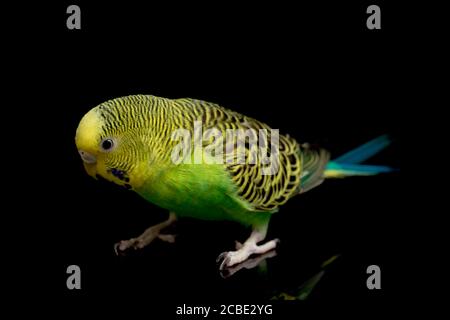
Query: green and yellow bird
[[134, 141]]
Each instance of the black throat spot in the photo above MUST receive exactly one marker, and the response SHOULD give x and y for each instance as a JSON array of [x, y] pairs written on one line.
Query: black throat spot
[[120, 174]]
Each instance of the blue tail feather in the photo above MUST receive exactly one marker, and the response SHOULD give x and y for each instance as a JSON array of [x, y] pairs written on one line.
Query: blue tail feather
[[349, 163], [365, 151]]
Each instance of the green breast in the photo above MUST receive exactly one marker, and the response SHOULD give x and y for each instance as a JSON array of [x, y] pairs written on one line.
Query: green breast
[[199, 191]]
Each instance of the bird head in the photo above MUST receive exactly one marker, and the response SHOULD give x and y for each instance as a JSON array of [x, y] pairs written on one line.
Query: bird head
[[108, 146]]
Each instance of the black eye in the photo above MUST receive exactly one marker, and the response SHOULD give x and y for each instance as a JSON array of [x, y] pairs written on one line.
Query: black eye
[[107, 144]]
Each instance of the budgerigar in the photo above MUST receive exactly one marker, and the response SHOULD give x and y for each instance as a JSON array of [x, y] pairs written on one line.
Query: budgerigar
[[130, 141]]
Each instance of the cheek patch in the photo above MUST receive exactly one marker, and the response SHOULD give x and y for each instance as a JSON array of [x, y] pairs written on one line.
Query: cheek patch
[[120, 174]]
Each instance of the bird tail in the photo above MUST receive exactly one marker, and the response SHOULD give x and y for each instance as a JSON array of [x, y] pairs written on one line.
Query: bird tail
[[349, 164]]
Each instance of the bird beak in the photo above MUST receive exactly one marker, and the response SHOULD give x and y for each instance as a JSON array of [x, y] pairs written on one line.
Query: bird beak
[[87, 157], [89, 162]]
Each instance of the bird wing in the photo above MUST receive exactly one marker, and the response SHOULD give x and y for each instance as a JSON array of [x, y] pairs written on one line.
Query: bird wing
[[264, 192]]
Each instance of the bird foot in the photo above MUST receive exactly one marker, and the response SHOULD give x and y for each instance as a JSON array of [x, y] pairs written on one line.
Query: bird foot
[[147, 237], [250, 263], [142, 241], [243, 252]]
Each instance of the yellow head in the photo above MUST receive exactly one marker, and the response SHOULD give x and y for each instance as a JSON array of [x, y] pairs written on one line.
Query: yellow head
[[111, 145]]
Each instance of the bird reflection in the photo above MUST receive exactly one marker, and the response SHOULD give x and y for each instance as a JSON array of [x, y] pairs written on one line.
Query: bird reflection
[[303, 291]]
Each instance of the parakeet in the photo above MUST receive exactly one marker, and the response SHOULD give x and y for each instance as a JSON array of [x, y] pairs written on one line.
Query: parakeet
[[132, 141]]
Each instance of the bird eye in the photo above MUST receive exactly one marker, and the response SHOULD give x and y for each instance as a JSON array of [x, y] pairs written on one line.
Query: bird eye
[[107, 144]]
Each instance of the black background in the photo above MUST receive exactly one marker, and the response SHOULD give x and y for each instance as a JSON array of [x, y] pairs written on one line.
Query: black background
[[312, 70]]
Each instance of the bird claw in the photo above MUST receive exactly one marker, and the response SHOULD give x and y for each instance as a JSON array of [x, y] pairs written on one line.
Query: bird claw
[[225, 263], [118, 250], [121, 247], [225, 257], [221, 256]]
